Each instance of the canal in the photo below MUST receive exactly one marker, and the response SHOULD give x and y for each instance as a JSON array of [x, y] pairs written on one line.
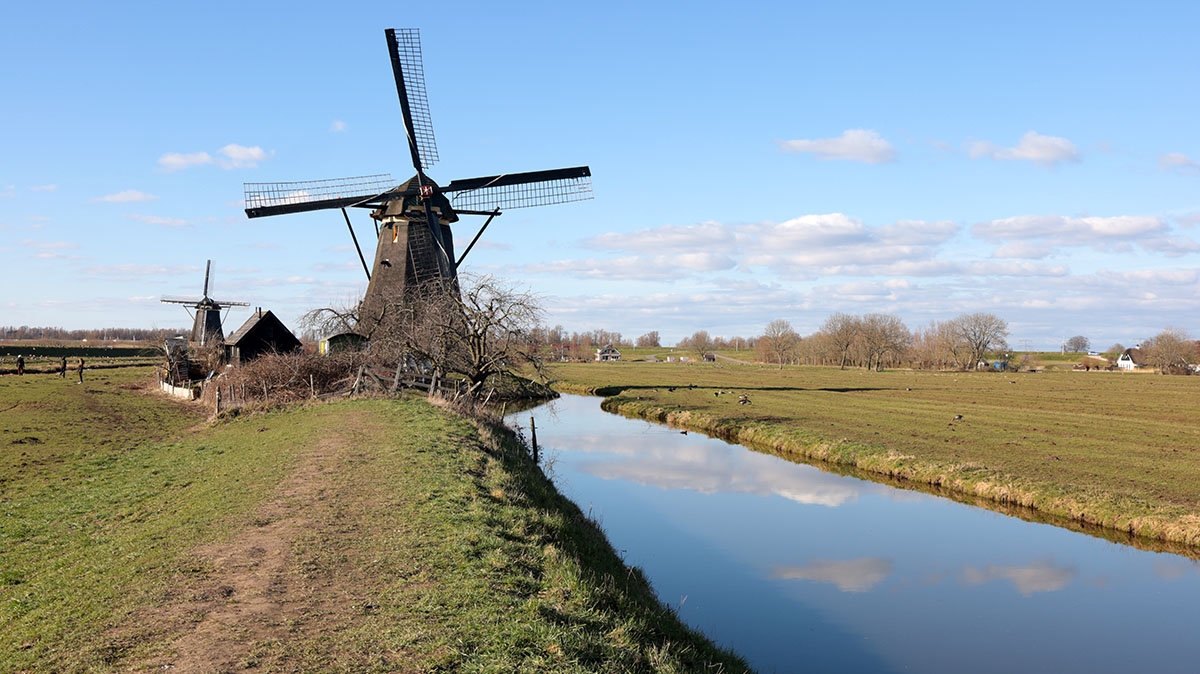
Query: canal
[[801, 570]]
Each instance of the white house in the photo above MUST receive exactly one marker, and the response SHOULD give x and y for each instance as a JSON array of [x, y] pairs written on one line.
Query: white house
[[1131, 359], [607, 353]]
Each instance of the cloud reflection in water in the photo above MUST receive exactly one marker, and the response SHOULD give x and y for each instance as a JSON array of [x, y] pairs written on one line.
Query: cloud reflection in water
[[1039, 576], [852, 575], [713, 467]]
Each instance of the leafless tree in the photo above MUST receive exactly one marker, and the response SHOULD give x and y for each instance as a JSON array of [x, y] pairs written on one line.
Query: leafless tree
[[882, 335], [979, 333], [1171, 351], [1117, 348], [841, 330], [1078, 344], [779, 341], [701, 343], [649, 339]]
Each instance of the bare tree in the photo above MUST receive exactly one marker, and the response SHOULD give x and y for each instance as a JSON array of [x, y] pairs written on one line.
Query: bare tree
[[779, 341], [649, 339], [840, 331], [978, 334], [881, 335], [699, 342], [1117, 348], [1078, 344], [1171, 351]]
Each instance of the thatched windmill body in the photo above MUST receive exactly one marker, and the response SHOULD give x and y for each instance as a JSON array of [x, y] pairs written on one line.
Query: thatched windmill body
[[413, 218], [206, 323]]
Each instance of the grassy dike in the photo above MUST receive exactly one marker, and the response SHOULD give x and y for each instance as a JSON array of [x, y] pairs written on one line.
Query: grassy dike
[[1109, 451], [363, 536]]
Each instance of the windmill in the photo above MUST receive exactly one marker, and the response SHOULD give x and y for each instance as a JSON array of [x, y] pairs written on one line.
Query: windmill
[[412, 219], [206, 328]]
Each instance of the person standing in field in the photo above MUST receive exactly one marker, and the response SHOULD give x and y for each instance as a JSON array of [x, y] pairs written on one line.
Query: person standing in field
[[81, 369], [62, 368], [20, 364]]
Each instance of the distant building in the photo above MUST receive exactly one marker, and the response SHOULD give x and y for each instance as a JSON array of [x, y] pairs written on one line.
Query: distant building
[[607, 353], [1131, 359], [261, 333], [710, 357]]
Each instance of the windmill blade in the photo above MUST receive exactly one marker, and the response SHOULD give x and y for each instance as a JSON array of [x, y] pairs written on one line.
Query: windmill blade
[[182, 300], [207, 269], [223, 303], [521, 190], [404, 45], [263, 199]]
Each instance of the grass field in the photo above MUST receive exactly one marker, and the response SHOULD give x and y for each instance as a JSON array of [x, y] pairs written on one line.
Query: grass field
[[364, 536], [1108, 448]]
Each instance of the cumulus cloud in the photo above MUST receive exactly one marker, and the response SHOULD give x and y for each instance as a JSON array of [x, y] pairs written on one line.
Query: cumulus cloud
[[1063, 230], [158, 220], [640, 268], [176, 161], [240, 156], [229, 157], [863, 145], [1033, 146], [1178, 163], [853, 575], [126, 196], [1025, 250], [337, 126]]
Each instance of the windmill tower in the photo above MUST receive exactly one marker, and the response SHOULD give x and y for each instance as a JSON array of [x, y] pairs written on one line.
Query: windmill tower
[[412, 219], [206, 325]]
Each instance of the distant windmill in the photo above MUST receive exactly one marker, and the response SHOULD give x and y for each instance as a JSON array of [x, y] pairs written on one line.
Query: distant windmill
[[206, 327], [415, 243]]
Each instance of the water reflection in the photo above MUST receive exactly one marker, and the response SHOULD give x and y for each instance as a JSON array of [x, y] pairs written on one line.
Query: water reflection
[[1040, 576], [803, 570], [852, 575], [701, 469]]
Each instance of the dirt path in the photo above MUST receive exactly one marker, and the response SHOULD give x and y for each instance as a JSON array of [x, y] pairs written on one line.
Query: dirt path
[[251, 591]]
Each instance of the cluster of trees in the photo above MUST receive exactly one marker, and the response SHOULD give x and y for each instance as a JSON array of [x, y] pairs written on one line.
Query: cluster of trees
[[874, 341], [92, 335], [1172, 351]]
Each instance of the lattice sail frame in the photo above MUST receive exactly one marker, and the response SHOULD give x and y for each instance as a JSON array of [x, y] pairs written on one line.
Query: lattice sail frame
[[262, 195], [408, 46], [524, 195]]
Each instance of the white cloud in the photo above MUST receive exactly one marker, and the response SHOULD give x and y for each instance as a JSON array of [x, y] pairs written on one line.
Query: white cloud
[[854, 575], [1171, 246], [49, 245], [1178, 163], [176, 161], [1025, 250], [337, 126], [240, 156], [640, 268], [1063, 230], [666, 239], [126, 196], [1034, 147], [44, 188], [863, 145], [158, 220], [229, 157]]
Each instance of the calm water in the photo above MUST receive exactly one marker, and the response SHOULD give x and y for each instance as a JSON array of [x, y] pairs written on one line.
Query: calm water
[[799, 570]]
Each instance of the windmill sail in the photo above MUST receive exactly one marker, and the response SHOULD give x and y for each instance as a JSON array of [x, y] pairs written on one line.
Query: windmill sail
[[404, 45], [264, 199], [521, 190]]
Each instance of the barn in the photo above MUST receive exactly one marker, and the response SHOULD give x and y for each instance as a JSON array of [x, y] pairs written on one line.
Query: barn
[[261, 333]]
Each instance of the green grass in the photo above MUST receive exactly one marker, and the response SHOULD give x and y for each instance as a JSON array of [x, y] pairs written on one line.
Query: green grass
[[1114, 449], [424, 543]]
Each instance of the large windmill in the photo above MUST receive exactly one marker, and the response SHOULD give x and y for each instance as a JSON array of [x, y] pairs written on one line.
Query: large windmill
[[413, 218], [206, 326]]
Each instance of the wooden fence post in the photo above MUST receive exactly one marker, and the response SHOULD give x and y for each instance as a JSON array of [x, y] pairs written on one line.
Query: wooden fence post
[[533, 438], [312, 389], [217, 406]]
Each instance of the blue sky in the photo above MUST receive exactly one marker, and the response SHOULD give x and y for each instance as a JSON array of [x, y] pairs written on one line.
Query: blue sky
[[750, 163]]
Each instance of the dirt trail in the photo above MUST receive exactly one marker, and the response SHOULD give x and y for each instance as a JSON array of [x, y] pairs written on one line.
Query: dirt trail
[[253, 591]]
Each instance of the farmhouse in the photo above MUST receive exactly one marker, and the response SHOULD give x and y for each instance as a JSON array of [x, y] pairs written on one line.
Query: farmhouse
[[342, 342], [607, 353], [1131, 359], [261, 333]]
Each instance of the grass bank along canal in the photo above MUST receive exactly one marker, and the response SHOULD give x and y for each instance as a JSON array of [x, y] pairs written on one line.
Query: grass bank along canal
[[798, 569]]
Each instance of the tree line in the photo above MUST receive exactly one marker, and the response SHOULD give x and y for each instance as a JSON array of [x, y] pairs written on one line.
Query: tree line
[[25, 332]]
